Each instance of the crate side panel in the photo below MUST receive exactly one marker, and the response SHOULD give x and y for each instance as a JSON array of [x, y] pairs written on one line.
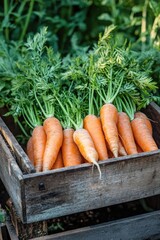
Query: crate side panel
[[79, 189], [11, 176], [22, 159]]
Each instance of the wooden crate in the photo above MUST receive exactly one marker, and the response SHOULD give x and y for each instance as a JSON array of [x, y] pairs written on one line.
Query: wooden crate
[[60, 192]]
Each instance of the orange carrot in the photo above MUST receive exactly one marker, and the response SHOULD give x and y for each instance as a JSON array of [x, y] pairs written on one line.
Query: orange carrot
[[59, 161], [147, 121], [70, 152], [142, 135], [121, 149], [86, 146], [93, 125], [54, 133], [39, 142], [126, 134], [29, 149], [139, 149], [109, 119], [110, 154]]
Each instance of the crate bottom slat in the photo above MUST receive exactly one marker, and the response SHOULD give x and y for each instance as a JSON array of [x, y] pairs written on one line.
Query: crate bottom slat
[[139, 227], [145, 226]]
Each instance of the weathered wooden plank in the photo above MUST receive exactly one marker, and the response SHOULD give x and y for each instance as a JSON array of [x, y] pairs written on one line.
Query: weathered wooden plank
[[12, 177], [23, 231], [3, 232], [7, 231], [141, 227], [11, 231], [22, 159], [69, 190]]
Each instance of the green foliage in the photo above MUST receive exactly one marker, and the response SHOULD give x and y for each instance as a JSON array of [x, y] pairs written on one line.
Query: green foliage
[[74, 26], [49, 47]]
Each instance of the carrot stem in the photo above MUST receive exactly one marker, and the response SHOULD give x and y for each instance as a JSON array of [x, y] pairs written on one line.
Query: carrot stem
[[27, 20], [31, 117], [5, 13], [48, 101], [22, 129]]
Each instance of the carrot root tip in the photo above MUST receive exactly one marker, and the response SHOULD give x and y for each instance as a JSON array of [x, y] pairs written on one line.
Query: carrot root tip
[[98, 167], [115, 154]]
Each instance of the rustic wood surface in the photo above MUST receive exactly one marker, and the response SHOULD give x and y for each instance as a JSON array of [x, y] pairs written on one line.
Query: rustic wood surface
[[4, 233], [7, 232], [22, 159], [76, 189], [11, 231], [11, 177], [141, 227], [153, 112]]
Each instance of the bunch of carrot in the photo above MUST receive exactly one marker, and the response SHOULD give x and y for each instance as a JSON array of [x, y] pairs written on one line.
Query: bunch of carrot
[[110, 135], [83, 110]]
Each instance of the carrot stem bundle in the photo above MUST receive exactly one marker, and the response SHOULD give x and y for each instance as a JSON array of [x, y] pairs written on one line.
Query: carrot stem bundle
[[81, 136]]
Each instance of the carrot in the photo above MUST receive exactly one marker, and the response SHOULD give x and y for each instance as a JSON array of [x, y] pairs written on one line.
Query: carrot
[[142, 135], [139, 149], [29, 149], [121, 149], [59, 161], [93, 125], [86, 146], [145, 118], [70, 152], [126, 134], [109, 119], [39, 142], [54, 133], [110, 154]]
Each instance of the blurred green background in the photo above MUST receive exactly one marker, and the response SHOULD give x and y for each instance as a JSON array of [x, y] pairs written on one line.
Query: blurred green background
[[74, 26]]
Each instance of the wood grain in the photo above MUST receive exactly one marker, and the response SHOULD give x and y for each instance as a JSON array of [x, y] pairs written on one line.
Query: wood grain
[[12, 178], [78, 189], [141, 227], [22, 159]]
